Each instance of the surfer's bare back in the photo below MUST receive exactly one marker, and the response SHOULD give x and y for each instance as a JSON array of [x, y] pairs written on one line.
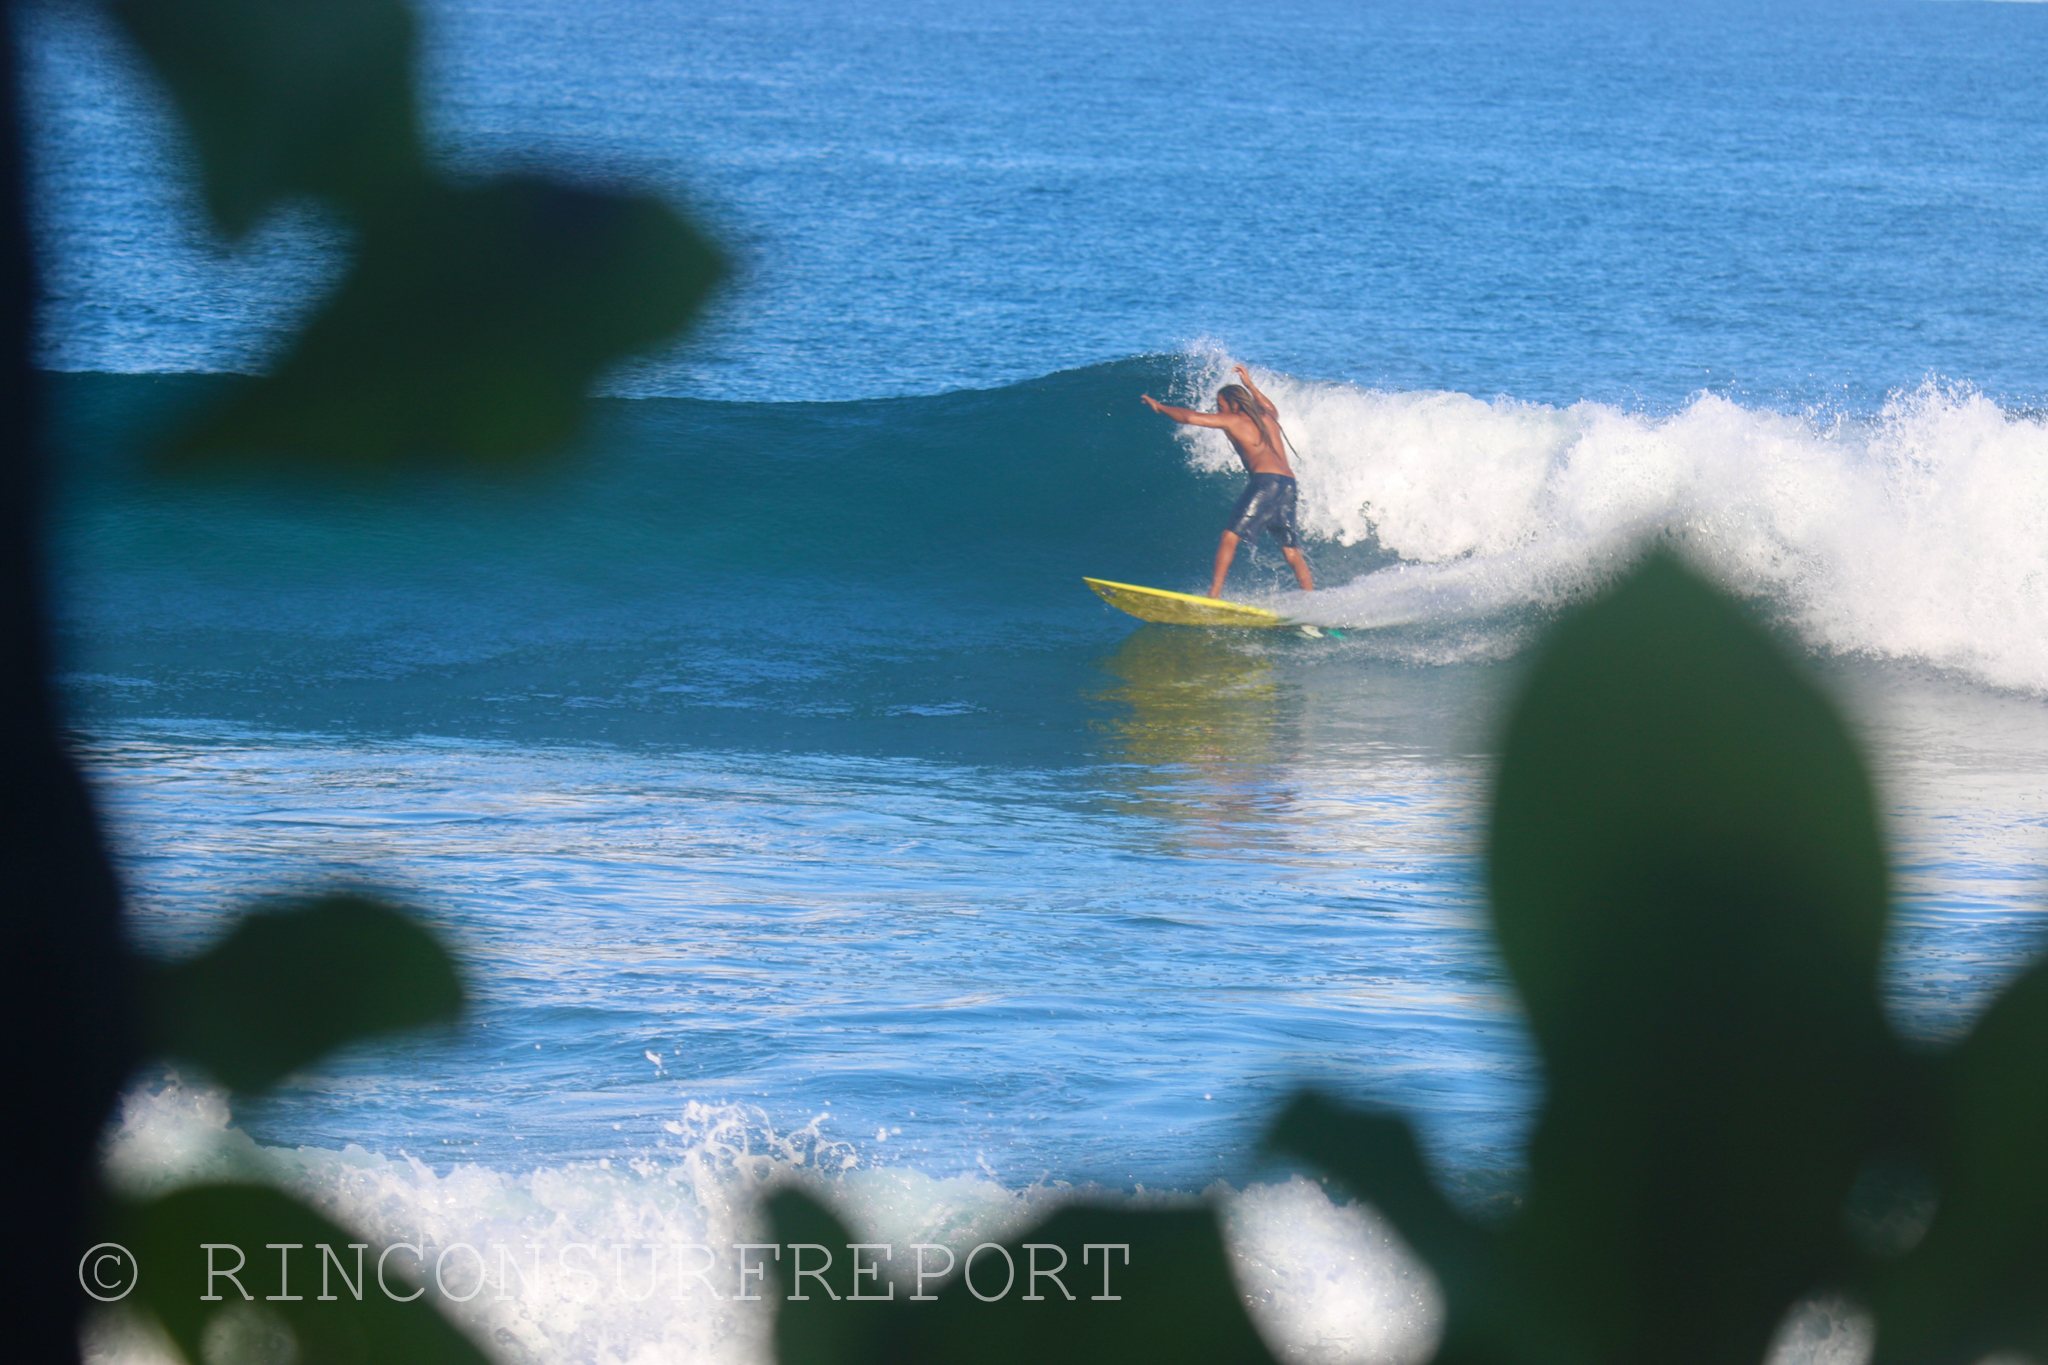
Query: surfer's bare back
[[1252, 423]]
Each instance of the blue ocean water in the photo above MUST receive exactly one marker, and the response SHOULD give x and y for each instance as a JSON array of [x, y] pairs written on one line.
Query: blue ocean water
[[798, 812]]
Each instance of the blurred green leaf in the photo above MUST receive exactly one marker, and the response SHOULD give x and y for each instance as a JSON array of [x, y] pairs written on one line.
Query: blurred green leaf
[[286, 987], [1978, 1283], [288, 97], [818, 1330], [245, 1225], [1173, 1300], [1689, 889], [471, 330]]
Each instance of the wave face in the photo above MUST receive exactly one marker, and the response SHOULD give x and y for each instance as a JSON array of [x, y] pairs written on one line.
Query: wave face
[[766, 570], [741, 571]]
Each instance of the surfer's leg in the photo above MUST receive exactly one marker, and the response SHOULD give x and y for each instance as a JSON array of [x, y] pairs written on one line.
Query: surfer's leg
[[1300, 563], [1226, 551], [1283, 529], [1246, 518]]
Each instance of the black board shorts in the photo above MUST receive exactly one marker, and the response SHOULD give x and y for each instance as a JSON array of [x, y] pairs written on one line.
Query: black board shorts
[[1267, 504]]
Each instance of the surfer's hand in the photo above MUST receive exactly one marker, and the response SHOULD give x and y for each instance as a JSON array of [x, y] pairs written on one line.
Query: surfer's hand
[[1150, 401]]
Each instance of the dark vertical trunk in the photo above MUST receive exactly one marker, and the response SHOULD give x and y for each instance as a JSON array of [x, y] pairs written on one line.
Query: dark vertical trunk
[[65, 1001]]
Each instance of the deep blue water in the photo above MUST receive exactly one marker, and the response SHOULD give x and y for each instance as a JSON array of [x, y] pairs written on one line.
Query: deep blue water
[[793, 803], [1787, 203]]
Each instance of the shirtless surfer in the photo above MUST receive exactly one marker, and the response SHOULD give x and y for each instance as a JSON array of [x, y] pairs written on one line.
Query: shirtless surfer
[[1252, 423]]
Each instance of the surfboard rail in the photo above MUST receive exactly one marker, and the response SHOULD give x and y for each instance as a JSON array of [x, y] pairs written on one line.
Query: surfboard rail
[[1183, 609]]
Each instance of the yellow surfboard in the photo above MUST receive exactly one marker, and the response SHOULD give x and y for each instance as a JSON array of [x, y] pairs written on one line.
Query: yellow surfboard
[[1183, 609]]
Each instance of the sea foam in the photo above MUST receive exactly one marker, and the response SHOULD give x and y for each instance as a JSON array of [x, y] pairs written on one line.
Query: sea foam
[[1327, 1282]]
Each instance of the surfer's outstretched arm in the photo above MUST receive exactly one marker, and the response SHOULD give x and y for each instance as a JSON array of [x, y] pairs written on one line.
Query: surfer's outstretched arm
[[1186, 416], [1246, 375]]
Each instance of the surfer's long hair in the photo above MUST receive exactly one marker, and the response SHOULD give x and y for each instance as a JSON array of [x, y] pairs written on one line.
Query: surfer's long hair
[[1239, 397]]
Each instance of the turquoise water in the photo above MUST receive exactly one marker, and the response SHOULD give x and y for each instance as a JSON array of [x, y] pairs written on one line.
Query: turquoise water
[[800, 814]]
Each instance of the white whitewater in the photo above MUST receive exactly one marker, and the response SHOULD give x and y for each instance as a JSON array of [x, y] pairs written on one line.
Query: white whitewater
[[1919, 534]]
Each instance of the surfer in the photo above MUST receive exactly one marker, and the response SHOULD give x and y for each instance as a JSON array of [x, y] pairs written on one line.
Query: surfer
[[1252, 423]]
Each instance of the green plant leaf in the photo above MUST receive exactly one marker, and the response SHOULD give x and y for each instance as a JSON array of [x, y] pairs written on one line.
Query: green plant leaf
[[1689, 889], [361, 1321], [1173, 1300], [288, 97], [285, 987], [819, 1330], [1978, 1282], [470, 329]]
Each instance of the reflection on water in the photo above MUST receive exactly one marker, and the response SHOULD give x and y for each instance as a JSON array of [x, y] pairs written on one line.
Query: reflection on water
[[1195, 697], [1205, 730]]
